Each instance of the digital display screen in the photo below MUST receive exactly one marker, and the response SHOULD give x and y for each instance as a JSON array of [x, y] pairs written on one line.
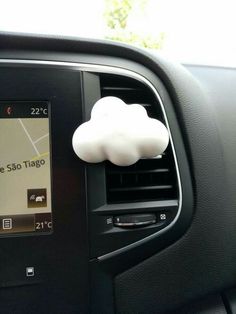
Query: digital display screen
[[25, 168]]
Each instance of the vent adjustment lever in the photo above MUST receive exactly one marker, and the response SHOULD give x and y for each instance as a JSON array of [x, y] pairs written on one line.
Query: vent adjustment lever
[[134, 220]]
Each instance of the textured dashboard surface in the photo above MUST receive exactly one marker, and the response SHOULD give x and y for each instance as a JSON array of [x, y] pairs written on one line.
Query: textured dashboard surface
[[203, 260]]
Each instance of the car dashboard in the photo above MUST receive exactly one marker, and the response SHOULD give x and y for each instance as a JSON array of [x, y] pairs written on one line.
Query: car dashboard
[[75, 237]]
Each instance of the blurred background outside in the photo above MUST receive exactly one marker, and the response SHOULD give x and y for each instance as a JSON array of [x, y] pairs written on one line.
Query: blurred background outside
[[189, 31]]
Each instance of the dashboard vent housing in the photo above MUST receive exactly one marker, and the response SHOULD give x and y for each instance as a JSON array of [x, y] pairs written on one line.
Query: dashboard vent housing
[[149, 179]]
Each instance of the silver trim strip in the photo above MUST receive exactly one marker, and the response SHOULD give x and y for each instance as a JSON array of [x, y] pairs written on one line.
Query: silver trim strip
[[131, 74], [134, 224]]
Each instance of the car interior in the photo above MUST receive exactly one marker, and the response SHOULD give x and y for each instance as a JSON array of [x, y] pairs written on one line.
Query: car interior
[[84, 228]]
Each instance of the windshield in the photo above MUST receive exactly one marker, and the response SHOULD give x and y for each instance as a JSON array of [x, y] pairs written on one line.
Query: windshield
[[198, 32]]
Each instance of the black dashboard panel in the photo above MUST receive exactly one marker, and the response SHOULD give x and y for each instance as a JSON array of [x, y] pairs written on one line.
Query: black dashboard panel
[[56, 258], [195, 257], [202, 262]]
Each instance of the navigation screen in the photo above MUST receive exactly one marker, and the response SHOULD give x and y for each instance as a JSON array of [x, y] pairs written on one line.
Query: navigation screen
[[25, 170]]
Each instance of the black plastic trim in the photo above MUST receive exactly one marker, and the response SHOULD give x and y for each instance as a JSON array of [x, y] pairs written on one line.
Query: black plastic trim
[[73, 50]]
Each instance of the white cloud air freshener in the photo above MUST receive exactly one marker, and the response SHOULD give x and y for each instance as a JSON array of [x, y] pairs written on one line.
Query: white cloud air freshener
[[120, 133]]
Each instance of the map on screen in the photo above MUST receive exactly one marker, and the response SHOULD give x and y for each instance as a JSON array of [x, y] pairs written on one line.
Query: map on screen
[[25, 175]]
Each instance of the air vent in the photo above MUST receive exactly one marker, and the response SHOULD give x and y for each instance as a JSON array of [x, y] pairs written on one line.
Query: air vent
[[148, 179]]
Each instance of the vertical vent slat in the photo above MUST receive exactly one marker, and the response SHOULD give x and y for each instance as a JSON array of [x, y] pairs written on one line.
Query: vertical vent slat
[[148, 179]]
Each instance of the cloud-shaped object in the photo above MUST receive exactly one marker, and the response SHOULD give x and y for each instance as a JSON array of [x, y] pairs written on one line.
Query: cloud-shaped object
[[120, 133]]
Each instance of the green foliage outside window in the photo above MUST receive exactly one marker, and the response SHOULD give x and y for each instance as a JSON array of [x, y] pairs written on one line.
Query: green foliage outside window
[[117, 13]]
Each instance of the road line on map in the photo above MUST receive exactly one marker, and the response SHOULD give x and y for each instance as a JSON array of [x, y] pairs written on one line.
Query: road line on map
[[40, 156], [31, 141], [41, 138]]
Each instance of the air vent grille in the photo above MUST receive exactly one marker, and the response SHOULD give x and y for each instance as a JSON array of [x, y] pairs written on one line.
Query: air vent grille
[[148, 179]]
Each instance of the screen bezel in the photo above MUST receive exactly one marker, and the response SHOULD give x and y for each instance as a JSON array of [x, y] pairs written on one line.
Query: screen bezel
[[60, 259]]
